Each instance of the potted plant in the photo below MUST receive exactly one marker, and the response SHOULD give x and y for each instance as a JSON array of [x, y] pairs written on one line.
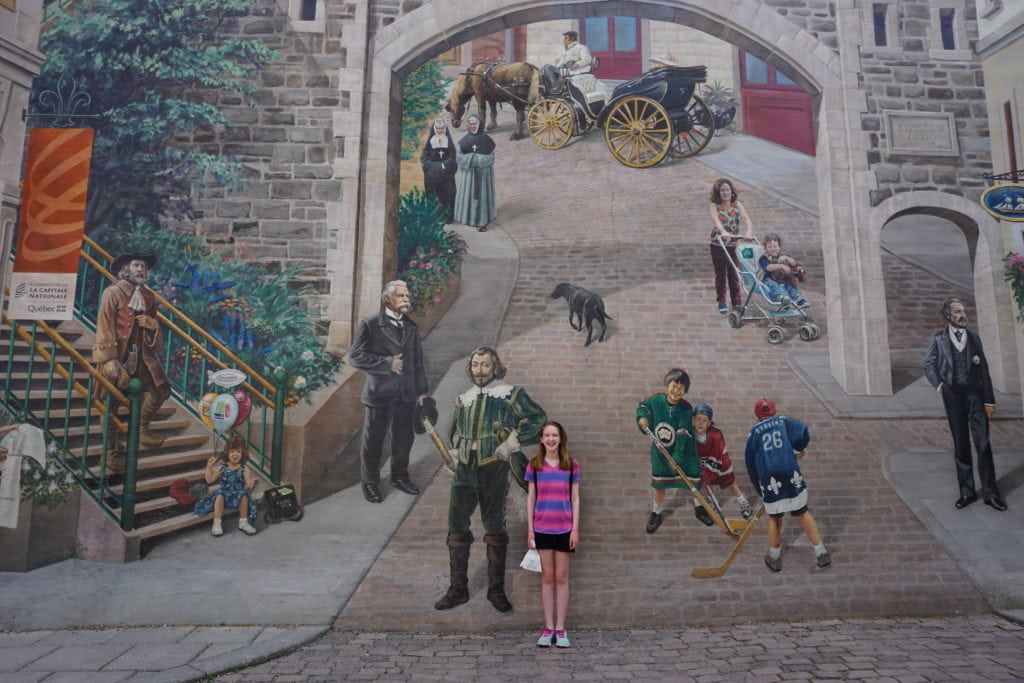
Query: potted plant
[[721, 100]]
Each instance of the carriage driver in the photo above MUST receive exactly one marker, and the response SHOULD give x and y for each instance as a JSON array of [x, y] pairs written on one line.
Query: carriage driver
[[573, 54]]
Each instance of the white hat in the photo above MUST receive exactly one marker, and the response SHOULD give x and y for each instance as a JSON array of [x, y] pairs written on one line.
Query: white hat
[[667, 59]]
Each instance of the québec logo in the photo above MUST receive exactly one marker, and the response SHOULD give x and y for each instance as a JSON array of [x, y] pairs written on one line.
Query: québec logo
[[21, 290]]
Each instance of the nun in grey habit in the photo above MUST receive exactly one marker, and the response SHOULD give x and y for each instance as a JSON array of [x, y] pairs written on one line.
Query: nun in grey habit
[[475, 203]]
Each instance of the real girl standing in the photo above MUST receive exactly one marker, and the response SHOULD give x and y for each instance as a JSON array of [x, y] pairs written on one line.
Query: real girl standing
[[726, 215], [553, 516]]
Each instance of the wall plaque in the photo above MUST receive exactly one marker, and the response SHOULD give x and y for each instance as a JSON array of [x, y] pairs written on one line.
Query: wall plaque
[[920, 133]]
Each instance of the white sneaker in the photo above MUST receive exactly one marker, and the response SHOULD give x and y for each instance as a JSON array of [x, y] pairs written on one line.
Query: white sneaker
[[745, 511], [244, 525], [217, 529]]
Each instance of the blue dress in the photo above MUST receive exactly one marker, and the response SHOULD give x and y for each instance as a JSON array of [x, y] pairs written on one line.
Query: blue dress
[[232, 487]]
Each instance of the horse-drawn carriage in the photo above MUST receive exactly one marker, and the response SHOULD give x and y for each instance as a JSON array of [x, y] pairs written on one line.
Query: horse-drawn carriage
[[645, 119]]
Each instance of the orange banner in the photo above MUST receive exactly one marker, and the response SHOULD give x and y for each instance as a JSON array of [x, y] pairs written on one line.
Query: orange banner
[[53, 201]]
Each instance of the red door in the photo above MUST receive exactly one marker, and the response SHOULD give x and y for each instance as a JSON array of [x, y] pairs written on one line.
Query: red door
[[616, 42], [774, 107]]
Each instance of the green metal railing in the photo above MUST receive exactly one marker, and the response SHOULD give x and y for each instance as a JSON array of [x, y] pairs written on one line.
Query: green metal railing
[[79, 408]]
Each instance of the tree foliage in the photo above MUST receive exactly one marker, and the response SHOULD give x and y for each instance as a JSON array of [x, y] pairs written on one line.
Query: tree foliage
[[422, 99], [147, 66]]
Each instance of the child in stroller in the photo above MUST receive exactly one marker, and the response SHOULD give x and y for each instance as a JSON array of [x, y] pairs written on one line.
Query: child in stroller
[[767, 304], [782, 272]]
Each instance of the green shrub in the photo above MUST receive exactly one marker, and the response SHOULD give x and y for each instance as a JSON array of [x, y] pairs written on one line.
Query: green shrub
[[422, 98], [261, 318], [428, 254]]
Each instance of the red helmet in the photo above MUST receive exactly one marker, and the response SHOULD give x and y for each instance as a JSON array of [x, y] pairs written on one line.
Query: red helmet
[[764, 408]]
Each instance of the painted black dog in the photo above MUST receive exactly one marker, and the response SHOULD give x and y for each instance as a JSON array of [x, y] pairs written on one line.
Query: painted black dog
[[585, 306]]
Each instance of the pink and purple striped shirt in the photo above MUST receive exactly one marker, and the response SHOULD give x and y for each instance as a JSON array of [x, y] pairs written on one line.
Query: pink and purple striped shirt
[[552, 512]]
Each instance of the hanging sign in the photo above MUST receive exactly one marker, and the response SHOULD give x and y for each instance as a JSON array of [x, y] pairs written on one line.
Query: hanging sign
[[52, 221], [1005, 202]]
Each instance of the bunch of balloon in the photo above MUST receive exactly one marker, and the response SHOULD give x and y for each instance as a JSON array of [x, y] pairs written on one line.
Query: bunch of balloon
[[221, 412]]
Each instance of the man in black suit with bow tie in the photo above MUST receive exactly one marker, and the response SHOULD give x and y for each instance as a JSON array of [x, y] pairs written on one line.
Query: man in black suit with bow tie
[[387, 348], [956, 366]]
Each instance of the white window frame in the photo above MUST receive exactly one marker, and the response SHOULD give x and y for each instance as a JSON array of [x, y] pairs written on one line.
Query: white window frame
[[962, 51], [317, 25], [892, 34]]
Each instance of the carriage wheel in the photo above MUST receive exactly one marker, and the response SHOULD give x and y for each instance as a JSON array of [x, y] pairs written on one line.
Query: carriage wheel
[[638, 132], [775, 334], [550, 123], [687, 143]]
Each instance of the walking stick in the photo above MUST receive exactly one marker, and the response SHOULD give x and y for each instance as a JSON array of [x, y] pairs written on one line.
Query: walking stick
[[715, 572], [732, 528]]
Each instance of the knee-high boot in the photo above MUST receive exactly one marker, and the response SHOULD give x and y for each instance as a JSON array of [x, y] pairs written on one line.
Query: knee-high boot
[[458, 561], [497, 547], [151, 402]]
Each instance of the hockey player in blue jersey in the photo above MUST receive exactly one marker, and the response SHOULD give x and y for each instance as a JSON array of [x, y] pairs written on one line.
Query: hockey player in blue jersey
[[773, 447]]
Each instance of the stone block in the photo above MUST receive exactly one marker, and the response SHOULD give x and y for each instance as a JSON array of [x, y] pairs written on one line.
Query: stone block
[[248, 151], [289, 154], [307, 135], [242, 115], [229, 209], [346, 168], [277, 118], [268, 209], [328, 191], [245, 228], [286, 229], [347, 123], [298, 98], [310, 171], [269, 135], [297, 189]]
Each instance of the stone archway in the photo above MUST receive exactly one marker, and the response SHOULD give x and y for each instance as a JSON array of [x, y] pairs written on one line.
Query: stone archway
[[996, 324], [859, 355]]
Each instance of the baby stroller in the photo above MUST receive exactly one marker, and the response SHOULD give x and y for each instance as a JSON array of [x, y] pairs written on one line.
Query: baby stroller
[[759, 297]]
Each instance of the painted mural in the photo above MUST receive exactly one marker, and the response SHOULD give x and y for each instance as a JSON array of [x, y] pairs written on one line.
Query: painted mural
[[607, 177]]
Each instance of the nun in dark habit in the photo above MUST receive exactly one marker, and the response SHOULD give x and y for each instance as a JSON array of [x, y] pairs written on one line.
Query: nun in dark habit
[[439, 167], [475, 203]]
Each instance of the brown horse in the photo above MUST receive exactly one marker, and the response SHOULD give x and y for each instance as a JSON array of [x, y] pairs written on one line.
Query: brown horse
[[517, 83]]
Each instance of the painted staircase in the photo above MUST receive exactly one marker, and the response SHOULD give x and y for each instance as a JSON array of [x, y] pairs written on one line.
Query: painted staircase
[[79, 428]]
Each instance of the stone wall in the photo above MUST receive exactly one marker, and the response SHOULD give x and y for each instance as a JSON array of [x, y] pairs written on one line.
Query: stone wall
[[912, 75], [287, 144]]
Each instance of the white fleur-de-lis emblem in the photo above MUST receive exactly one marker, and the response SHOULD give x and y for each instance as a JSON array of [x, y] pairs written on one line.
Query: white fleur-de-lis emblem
[[797, 480], [774, 486]]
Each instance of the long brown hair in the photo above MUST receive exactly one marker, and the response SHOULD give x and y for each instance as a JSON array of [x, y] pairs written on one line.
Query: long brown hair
[[563, 449]]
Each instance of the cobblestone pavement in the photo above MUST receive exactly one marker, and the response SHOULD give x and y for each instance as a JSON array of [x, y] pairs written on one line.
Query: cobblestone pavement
[[979, 648], [639, 237]]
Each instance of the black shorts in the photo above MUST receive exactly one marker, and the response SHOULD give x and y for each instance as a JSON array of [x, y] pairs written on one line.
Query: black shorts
[[792, 513], [559, 542]]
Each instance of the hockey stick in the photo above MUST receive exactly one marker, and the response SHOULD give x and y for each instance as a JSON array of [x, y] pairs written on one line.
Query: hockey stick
[[693, 489], [715, 572]]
